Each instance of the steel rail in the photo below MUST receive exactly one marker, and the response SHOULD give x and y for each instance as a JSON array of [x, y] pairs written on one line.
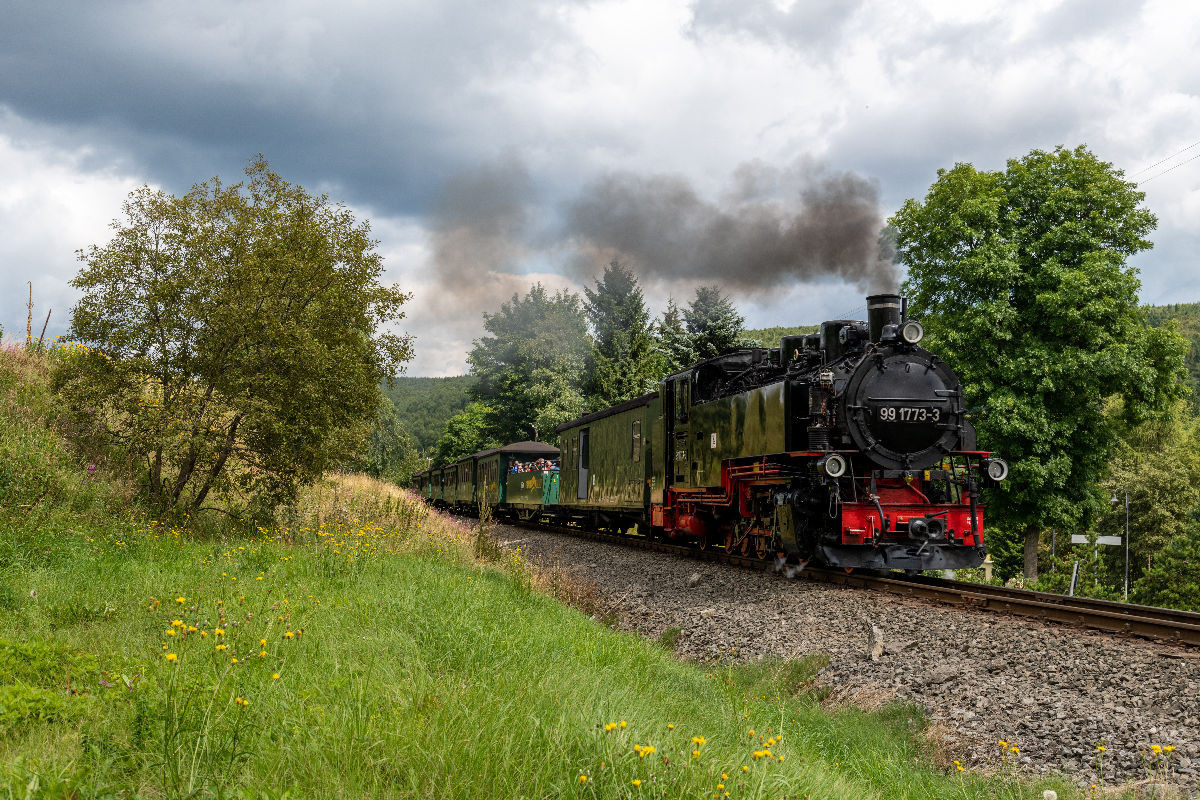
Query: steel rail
[[1162, 624]]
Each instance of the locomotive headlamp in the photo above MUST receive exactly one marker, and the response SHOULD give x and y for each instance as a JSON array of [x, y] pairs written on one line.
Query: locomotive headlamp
[[912, 331], [997, 469], [833, 465]]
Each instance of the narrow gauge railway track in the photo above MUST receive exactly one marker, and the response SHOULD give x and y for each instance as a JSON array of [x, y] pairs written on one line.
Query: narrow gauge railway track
[[1180, 627]]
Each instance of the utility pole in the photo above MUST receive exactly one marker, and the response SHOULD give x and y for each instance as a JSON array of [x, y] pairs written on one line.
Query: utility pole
[[29, 319]]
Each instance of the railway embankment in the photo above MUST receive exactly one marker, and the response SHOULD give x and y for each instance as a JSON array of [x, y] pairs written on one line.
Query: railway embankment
[[1103, 709], [363, 646]]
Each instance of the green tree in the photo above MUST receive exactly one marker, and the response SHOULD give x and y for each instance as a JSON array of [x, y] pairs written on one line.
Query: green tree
[[236, 338], [532, 362], [712, 322], [1173, 578], [626, 363], [1021, 275], [1158, 463], [391, 454], [466, 432], [674, 343]]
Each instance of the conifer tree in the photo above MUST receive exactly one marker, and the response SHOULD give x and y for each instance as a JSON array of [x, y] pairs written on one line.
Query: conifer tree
[[625, 363], [712, 322], [674, 343]]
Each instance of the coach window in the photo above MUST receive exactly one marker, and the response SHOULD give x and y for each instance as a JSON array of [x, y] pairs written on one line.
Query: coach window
[[635, 445], [681, 399]]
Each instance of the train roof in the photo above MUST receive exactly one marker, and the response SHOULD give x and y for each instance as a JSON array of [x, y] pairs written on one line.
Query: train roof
[[628, 405], [530, 448]]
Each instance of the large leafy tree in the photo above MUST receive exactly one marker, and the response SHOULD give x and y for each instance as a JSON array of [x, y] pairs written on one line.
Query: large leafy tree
[[626, 363], [1022, 276], [530, 367], [237, 338], [465, 433], [712, 322]]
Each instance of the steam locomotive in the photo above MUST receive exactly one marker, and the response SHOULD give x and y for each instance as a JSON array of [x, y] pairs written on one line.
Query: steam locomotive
[[849, 447]]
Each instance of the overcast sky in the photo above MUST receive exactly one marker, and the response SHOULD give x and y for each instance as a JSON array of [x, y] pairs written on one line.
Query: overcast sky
[[492, 144]]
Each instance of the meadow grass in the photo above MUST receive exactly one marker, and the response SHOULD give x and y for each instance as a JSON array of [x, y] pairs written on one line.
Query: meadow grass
[[362, 646]]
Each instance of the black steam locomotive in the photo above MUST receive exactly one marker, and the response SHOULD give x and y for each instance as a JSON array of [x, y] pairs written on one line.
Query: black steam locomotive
[[849, 447]]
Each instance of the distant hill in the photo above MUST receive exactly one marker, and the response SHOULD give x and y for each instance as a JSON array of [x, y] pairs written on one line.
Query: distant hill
[[1186, 317], [424, 404]]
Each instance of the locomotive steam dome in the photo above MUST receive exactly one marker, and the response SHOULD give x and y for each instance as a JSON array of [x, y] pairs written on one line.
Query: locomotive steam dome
[[903, 408]]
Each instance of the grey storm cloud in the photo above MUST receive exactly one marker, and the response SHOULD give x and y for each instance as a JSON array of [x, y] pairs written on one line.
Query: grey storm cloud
[[187, 90]]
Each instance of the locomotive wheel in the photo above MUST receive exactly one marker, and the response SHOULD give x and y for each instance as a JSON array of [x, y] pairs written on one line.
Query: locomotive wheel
[[762, 547]]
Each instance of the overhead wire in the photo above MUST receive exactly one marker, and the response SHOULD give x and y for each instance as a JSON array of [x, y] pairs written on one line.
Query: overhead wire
[[1165, 160], [1169, 169]]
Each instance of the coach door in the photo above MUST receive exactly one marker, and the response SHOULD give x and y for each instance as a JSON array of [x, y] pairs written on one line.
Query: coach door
[[584, 461]]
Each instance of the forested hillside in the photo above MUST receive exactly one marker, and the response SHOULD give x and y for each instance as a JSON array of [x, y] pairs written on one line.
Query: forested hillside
[[424, 404], [1187, 319]]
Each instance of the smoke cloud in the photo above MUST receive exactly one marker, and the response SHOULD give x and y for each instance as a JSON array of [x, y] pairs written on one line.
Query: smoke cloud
[[772, 227], [769, 230]]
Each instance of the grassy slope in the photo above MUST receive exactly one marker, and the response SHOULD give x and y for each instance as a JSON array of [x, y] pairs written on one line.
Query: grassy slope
[[421, 663]]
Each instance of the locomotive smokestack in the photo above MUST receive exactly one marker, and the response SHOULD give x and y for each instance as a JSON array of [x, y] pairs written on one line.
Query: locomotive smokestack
[[882, 309]]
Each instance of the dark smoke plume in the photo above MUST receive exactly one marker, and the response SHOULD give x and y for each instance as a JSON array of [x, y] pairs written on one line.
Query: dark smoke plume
[[773, 227]]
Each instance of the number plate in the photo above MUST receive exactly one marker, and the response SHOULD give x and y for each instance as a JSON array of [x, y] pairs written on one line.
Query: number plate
[[909, 414]]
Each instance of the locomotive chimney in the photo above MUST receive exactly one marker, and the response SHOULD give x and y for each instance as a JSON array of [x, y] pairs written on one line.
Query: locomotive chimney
[[882, 309]]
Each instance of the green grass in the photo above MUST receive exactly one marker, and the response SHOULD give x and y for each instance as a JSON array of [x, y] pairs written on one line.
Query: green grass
[[410, 663]]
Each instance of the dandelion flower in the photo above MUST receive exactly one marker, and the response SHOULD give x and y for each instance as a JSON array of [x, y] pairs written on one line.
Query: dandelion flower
[[583, 778], [170, 631], [290, 635], [610, 726], [695, 754], [623, 723], [262, 654], [220, 647], [219, 631], [262, 642], [636, 782], [670, 726], [171, 657], [1157, 749], [181, 600], [233, 660], [1101, 748], [275, 676], [745, 768], [698, 740]]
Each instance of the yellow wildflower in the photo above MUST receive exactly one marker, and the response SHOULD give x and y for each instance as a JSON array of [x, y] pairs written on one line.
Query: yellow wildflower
[[289, 635], [219, 631], [220, 647], [610, 726], [695, 754], [262, 654], [636, 782], [170, 631], [670, 726], [1156, 748], [583, 778], [1169, 748], [181, 600], [698, 740], [171, 657], [275, 676], [1101, 748], [233, 660], [623, 723]]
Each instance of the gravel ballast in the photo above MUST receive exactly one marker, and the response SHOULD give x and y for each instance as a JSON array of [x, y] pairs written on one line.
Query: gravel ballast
[[1053, 691]]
